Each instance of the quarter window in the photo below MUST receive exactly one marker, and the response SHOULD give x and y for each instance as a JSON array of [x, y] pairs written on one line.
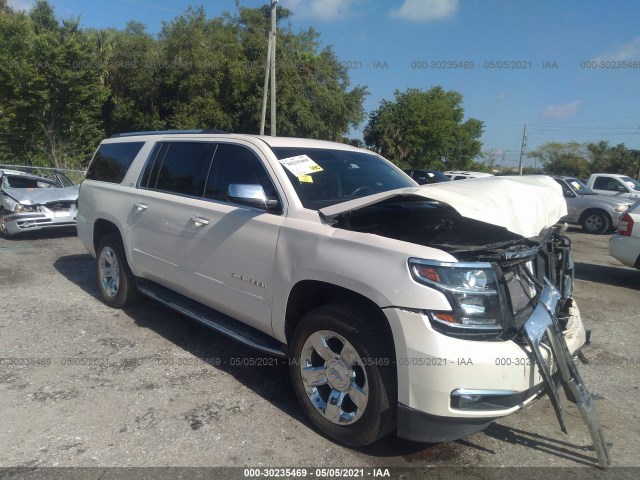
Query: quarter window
[[112, 161]]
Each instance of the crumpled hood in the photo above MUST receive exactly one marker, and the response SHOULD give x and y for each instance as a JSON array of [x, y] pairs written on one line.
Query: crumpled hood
[[38, 196], [523, 205]]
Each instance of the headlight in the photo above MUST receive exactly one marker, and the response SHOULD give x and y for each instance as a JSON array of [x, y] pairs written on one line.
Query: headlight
[[23, 208], [621, 208], [472, 290]]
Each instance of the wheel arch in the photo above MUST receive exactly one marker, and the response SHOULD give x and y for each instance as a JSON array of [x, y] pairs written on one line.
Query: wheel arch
[[591, 210], [102, 227], [307, 295]]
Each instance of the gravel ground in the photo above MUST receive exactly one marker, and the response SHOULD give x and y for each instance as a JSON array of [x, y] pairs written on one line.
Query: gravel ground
[[148, 387]]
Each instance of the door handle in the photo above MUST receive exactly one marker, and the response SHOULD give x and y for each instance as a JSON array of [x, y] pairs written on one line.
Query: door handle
[[199, 220], [141, 206]]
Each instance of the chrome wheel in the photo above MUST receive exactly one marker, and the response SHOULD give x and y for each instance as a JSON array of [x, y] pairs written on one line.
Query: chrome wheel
[[109, 272], [334, 377]]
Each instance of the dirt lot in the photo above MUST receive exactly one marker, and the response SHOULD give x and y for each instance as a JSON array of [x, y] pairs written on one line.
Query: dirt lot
[[147, 387]]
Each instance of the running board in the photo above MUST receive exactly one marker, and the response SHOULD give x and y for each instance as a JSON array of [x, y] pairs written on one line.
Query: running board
[[213, 319], [542, 331]]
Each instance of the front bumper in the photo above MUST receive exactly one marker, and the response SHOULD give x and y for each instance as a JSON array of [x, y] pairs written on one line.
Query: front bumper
[[434, 369], [14, 223]]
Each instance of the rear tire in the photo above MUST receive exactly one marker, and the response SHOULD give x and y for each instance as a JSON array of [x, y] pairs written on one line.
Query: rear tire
[[344, 374], [596, 222], [116, 283]]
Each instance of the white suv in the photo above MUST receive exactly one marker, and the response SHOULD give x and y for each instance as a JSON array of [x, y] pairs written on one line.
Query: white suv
[[398, 307]]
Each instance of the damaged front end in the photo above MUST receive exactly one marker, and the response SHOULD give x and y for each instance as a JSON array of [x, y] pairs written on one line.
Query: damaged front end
[[58, 214], [28, 209], [504, 287]]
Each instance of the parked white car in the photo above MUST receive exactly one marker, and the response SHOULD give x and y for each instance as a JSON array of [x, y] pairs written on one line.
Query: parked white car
[[625, 244], [595, 213], [425, 310], [614, 185]]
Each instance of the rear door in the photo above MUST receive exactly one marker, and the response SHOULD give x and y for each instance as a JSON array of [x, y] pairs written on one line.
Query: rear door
[[176, 173]]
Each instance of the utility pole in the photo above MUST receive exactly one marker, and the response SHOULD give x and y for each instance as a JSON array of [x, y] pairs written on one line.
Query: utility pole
[[273, 67], [270, 71], [504, 154], [524, 146], [267, 70]]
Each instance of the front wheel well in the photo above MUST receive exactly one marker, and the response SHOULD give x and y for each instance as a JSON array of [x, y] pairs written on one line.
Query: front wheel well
[[589, 211], [310, 294]]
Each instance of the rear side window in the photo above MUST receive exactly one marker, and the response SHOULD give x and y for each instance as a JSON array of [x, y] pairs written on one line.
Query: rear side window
[[112, 160], [179, 167]]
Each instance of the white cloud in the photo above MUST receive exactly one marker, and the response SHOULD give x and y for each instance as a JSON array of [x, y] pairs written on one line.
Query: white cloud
[[502, 96], [425, 10], [321, 9], [628, 51], [562, 111], [21, 4]]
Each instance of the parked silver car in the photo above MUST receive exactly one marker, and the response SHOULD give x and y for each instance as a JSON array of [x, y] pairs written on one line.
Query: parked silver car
[[596, 213], [31, 202]]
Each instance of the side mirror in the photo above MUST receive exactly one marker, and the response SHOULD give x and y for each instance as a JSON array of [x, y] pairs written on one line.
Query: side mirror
[[621, 188], [250, 195], [568, 193]]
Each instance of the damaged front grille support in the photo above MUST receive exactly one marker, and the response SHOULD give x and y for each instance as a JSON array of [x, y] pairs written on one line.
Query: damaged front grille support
[[542, 331]]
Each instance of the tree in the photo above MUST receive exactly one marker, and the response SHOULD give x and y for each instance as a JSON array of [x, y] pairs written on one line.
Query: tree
[[425, 129], [130, 68], [314, 98], [562, 158], [604, 158], [50, 94], [580, 160], [62, 88]]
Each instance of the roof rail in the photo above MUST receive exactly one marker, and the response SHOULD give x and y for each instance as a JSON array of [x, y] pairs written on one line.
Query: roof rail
[[166, 132]]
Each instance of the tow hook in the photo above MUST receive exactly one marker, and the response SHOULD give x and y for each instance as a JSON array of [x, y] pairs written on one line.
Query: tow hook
[[542, 331]]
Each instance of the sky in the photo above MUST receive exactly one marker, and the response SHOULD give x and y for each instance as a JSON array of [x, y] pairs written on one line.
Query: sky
[[569, 70]]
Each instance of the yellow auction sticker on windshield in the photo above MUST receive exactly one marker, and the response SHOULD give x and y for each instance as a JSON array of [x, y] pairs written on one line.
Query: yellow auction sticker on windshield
[[305, 178], [300, 165]]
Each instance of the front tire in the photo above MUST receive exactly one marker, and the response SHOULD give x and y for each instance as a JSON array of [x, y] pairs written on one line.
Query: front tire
[[343, 374], [596, 222], [116, 283]]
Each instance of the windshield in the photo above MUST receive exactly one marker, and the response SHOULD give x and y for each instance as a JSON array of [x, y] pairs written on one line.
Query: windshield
[[438, 177], [631, 183], [324, 177], [24, 181], [579, 187]]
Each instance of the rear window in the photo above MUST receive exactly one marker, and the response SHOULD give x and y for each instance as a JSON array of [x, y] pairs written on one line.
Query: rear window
[[112, 160]]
